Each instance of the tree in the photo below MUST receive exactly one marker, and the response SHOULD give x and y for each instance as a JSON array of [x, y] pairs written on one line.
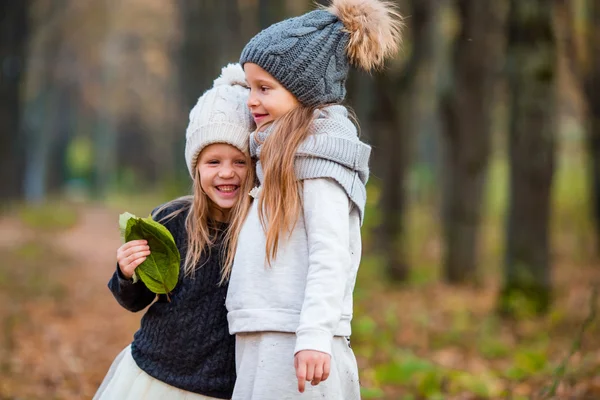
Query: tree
[[392, 121], [583, 59], [14, 29], [43, 115], [532, 70], [591, 81], [105, 128], [467, 109]]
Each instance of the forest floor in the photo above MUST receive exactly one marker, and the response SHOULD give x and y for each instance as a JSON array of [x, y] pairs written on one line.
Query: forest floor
[[60, 328]]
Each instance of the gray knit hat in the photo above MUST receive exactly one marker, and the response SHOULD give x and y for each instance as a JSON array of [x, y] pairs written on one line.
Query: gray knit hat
[[310, 54], [221, 115]]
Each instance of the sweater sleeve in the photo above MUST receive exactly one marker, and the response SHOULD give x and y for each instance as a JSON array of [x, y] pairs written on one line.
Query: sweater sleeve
[[326, 207], [131, 296]]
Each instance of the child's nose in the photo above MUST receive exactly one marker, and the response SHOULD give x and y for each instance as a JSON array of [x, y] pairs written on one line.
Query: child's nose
[[252, 102], [226, 172]]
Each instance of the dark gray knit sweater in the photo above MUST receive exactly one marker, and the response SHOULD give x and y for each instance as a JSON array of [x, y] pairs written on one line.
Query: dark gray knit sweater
[[185, 342]]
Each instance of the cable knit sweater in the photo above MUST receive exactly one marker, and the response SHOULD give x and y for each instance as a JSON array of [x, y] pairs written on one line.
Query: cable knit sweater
[[185, 342]]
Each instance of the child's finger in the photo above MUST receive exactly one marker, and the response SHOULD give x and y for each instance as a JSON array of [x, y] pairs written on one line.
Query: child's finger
[[137, 249], [133, 243], [129, 270], [318, 375], [137, 262], [301, 375], [132, 258], [310, 371], [326, 370], [123, 251]]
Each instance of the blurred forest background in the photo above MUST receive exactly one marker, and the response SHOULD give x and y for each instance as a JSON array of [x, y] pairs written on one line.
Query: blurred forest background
[[480, 269]]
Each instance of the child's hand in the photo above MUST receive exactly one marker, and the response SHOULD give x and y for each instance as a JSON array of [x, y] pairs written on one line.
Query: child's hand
[[313, 366], [131, 255]]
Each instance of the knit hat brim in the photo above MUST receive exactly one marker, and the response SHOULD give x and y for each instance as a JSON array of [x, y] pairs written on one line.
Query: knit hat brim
[[205, 135]]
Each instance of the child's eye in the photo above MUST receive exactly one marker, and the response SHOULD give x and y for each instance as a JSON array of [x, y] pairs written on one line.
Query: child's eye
[[241, 162], [264, 88], [213, 162]]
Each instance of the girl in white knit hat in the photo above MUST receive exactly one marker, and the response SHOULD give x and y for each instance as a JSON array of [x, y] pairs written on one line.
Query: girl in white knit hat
[[183, 349], [290, 293]]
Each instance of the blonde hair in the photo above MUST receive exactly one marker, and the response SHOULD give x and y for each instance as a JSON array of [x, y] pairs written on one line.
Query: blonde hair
[[280, 202], [200, 238]]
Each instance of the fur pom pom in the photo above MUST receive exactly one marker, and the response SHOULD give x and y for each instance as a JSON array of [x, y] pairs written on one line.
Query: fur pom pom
[[374, 27], [232, 74]]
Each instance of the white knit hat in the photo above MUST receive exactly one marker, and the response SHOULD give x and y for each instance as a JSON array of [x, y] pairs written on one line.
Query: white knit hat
[[221, 115]]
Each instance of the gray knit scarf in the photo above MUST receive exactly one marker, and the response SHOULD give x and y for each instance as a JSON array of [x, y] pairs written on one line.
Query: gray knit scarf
[[333, 150]]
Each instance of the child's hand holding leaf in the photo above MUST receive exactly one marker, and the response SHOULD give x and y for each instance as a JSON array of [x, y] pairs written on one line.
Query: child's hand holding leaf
[[149, 253], [131, 255]]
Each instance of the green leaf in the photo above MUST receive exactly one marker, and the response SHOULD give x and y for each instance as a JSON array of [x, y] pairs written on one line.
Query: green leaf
[[159, 229], [160, 270], [124, 223]]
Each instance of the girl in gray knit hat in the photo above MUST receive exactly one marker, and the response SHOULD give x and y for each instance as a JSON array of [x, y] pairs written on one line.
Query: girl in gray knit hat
[[183, 349], [290, 293]]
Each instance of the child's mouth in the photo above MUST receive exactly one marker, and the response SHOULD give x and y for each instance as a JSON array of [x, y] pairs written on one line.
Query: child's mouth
[[227, 188], [227, 191], [259, 117]]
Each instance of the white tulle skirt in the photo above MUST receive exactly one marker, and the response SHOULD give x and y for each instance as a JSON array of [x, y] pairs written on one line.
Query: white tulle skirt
[[126, 381]]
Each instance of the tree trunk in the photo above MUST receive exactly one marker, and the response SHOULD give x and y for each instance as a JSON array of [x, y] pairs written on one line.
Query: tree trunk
[[393, 155], [592, 92], [47, 129], [39, 117], [431, 82], [58, 171], [593, 146], [583, 60], [42, 114], [532, 69], [393, 143], [14, 29], [467, 110], [105, 132]]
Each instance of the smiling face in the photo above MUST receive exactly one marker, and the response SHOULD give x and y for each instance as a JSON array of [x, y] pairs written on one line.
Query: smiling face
[[222, 169], [268, 99]]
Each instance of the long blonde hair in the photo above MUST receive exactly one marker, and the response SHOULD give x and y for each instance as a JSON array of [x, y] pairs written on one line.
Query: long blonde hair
[[200, 238], [280, 202]]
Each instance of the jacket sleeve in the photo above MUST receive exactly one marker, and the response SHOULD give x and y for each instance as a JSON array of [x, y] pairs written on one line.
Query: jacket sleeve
[[131, 296], [326, 218]]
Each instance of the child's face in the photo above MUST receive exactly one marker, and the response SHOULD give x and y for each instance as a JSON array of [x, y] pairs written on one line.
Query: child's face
[[222, 169], [268, 99]]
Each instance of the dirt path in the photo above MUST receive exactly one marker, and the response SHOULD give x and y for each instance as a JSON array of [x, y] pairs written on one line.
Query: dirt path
[[66, 344]]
